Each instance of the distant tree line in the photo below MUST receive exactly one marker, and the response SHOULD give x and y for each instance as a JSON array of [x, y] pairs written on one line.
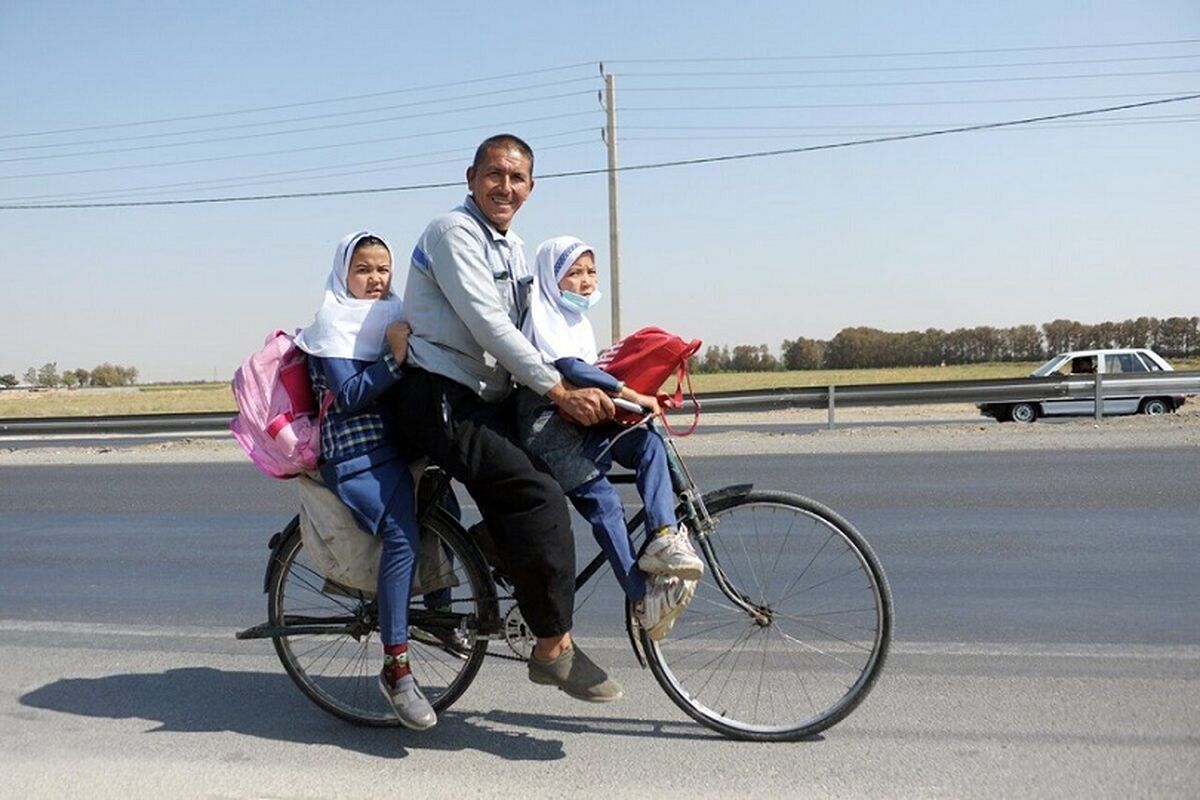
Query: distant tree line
[[48, 376], [857, 348]]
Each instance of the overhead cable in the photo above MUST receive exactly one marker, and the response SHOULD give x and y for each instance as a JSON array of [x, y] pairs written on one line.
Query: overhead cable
[[634, 167], [280, 177], [306, 118], [331, 126], [876, 84], [920, 68], [282, 106], [904, 54], [896, 103], [291, 151]]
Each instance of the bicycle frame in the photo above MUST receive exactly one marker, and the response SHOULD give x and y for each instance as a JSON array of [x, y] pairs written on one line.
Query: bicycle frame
[[692, 511]]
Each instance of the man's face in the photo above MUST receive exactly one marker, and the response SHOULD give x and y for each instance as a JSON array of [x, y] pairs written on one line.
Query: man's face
[[500, 184]]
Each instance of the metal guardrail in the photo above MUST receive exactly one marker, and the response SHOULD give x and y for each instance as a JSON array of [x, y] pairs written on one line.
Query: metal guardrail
[[1006, 390], [117, 424]]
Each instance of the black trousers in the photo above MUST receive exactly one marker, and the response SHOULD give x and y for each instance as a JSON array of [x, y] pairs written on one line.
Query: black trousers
[[523, 506]]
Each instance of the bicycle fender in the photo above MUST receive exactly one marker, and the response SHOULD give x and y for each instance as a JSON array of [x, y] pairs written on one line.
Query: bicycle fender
[[274, 544], [634, 641], [727, 492]]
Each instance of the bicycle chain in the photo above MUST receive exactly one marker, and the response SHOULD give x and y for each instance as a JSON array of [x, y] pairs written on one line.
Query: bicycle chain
[[505, 656]]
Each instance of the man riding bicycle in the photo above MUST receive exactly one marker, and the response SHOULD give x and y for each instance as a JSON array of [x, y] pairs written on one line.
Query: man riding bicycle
[[466, 292]]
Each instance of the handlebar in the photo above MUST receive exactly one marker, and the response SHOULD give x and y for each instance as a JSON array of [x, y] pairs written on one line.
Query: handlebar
[[631, 407]]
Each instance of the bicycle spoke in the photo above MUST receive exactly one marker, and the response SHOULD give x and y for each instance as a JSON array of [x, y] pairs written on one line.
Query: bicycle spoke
[[337, 668], [821, 628], [815, 649]]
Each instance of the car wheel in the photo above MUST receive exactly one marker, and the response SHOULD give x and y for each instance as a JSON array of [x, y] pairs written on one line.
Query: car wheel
[[1155, 406], [1023, 412]]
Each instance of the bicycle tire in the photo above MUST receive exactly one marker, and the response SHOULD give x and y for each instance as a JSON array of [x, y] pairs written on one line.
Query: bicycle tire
[[736, 672], [338, 668]]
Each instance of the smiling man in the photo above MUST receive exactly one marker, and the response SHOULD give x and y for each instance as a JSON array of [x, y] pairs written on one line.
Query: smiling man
[[467, 291]]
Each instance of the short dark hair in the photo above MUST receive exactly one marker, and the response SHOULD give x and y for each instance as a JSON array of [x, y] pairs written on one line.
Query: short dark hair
[[503, 140]]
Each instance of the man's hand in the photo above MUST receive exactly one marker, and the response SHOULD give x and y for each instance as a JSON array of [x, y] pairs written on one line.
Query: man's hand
[[397, 338], [587, 406]]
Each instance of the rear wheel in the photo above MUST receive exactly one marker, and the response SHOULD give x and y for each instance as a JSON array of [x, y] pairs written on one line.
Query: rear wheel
[[330, 642], [789, 627], [1155, 406], [1023, 412]]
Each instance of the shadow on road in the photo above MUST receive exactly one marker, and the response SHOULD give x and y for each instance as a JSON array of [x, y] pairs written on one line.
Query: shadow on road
[[202, 699], [607, 726]]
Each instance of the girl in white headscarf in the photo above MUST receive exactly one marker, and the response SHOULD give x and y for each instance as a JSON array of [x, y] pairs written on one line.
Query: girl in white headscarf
[[355, 347], [579, 458]]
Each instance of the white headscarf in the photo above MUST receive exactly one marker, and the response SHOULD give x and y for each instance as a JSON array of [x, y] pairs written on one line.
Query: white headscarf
[[346, 326], [557, 330]]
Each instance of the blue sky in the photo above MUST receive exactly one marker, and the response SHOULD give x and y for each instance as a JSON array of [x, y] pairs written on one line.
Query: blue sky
[[1089, 220]]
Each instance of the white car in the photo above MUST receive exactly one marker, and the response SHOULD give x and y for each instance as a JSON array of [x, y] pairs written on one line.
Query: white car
[[1088, 362]]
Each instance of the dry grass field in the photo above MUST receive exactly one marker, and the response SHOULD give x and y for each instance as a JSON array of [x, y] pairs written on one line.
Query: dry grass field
[[203, 397], [158, 399]]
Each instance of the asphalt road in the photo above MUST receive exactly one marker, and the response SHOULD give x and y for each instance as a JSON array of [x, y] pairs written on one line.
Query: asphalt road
[[1047, 644]]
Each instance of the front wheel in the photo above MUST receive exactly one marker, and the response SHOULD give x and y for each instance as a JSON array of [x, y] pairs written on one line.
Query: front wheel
[[328, 636], [789, 627]]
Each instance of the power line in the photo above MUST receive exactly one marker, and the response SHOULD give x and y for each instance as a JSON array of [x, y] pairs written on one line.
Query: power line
[[908, 54], [1040, 126], [908, 136], [921, 68], [841, 126], [879, 84], [246, 180], [896, 103], [289, 151], [305, 118], [637, 167], [280, 107], [309, 129]]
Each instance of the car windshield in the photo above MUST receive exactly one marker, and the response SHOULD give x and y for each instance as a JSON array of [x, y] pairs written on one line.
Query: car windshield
[[1050, 367]]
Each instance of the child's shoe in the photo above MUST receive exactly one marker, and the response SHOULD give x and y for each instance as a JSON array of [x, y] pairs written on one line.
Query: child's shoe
[[665, 599], [672, 554], [406, 700]]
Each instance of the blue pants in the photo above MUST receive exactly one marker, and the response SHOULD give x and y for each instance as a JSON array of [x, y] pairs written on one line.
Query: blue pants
[[598, 501], [380, 495]]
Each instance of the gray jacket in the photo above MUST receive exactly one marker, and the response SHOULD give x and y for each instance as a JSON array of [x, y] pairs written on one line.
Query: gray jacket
[[468, 288]]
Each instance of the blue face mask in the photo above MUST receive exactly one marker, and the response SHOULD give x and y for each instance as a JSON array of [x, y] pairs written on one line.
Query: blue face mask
[[577, 302]]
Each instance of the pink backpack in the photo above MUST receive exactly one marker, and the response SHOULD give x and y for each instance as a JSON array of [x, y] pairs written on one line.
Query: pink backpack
[[278, 424]]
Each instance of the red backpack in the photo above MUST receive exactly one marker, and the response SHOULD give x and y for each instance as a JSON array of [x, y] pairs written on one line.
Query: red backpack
[[645, 360]]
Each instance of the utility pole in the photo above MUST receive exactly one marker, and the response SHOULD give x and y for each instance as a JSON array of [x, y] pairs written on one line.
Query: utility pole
[[614, 236]]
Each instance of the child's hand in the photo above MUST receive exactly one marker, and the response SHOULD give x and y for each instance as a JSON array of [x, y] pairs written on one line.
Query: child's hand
[[397, 338], [646, 401]]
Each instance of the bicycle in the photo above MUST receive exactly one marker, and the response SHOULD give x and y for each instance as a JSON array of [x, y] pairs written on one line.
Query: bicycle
[[786, 635]]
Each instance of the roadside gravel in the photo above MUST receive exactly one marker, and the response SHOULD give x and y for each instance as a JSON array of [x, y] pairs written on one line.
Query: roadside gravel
[[870, 430]]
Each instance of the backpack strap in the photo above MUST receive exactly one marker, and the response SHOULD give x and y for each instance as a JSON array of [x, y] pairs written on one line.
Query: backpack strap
[[676, 401]]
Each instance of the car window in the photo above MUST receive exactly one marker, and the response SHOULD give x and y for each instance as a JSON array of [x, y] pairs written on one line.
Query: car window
[[1147, 363], [1123, 362], [1059, 365]]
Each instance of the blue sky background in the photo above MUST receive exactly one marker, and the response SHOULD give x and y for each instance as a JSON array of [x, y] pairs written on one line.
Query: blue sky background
[[1089, 220]]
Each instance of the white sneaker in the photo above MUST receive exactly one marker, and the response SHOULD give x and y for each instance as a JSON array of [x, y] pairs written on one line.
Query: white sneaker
[[672, 554], [666, 598]]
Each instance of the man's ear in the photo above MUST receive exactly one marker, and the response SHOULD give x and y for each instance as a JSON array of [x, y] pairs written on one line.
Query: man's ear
[[531, 183], [470, 174]]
